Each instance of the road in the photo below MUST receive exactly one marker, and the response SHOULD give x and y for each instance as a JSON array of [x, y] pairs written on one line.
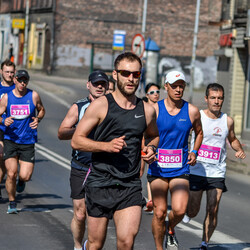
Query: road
[[45, 207]]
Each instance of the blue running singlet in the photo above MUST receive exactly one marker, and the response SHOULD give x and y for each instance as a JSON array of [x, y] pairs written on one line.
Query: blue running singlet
[[173, 144], [22, 109], [4, 90]]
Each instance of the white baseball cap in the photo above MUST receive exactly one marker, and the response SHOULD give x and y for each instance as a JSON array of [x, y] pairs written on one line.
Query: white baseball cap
[[174, 76]]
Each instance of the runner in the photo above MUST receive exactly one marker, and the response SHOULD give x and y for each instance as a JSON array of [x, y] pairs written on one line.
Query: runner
[[111, 88], [175, 119], [97, 85], [113, 186], [209, 172], [6, 85], [20, 136], [153, 95]]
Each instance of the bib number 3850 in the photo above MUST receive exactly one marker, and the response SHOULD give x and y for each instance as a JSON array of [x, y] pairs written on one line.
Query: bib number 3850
[[170, 158]]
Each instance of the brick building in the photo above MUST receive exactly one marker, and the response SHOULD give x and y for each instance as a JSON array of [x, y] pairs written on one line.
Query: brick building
[[65, 31]]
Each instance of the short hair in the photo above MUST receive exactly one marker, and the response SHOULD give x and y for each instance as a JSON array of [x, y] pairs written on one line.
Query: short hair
[[8, 63], [131, 57], [215, 87], [149, 85]]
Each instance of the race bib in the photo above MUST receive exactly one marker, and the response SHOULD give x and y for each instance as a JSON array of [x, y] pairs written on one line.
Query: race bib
[[209, 154], [170, 158], [20, 111]]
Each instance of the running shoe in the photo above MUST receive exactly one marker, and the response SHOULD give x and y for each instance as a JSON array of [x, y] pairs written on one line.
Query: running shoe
[[84, 245], [203, 247], [186, 219], [12, 208], [149, 206], [171, 242], [20, 186]]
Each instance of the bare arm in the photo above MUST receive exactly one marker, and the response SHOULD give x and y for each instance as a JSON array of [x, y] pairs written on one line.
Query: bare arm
[[67, 127], [195, 118], [234, 142], [40, 110], [93, 116], [3, 106], [151, 134]]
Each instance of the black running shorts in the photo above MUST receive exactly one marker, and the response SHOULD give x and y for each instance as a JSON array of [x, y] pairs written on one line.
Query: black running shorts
[[152, 177], [104, 201], [197, 183], [77, 178], [24, 152], [1, 135]]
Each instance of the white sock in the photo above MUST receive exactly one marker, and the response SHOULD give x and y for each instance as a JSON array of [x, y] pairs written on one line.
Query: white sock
[[77, 248]]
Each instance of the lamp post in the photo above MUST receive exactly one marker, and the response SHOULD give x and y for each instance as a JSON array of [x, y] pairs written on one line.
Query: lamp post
[[25, 46]]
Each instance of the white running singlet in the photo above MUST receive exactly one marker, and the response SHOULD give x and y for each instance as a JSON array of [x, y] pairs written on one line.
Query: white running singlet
[[211, 160]]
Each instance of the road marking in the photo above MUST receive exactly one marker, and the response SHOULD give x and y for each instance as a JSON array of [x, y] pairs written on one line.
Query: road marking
[[218, 237], [58, 159]]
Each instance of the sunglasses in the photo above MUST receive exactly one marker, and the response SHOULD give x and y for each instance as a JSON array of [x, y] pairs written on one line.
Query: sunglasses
[[154, 92], [25, 81], [126, 73]]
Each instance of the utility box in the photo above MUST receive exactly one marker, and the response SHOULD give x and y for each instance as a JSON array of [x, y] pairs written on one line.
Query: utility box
[[151, 56]]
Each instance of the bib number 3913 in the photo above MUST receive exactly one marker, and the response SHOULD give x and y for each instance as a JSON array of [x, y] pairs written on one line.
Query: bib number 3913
[[209, 154], [170, 158]]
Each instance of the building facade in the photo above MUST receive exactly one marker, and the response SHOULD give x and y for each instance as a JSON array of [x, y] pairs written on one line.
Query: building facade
[[233, 64], [68, 37]]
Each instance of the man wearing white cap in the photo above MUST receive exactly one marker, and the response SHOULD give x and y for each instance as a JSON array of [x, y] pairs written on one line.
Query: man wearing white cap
[[175, 119]]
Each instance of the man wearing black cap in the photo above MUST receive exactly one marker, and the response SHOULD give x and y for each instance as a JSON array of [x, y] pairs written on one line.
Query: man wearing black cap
[[97, 85], [24, 110]]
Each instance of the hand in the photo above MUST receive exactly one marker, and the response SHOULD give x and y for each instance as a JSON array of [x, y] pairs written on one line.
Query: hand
[[35, 122], [191, 159], [148, 155], [240, 154], [117, 144], [8, 121]]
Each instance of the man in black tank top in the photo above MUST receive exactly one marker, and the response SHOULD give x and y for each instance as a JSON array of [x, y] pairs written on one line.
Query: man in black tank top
[[113, 187], [97, 85]]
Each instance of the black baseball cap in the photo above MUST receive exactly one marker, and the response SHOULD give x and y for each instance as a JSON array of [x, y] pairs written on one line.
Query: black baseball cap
[[98, 76], [22, 73]]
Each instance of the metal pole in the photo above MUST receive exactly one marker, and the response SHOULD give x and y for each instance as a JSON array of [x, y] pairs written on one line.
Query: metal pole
[[144, 17], [25, 46], [192, 67]]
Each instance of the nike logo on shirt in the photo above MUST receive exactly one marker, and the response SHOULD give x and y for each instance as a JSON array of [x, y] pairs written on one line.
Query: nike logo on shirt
[[138, 116]]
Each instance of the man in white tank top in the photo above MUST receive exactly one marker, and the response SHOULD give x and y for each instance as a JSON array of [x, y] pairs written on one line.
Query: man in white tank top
[[209, 172]]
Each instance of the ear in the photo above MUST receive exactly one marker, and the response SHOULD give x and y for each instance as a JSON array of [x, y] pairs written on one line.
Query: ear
[[114, 74], [206, 99], [87, 85]]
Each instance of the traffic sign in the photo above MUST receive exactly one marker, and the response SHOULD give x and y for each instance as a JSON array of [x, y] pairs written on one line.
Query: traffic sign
[[119, 39], [138, 45]]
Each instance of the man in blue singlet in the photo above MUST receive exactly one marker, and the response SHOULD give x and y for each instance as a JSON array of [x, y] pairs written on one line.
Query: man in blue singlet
[[113, 187], [175, 119], [20, 136], [7, 74], [97, 85]]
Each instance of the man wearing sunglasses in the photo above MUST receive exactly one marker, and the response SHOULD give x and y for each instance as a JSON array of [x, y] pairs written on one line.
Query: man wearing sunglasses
[[97, 85], [175, 119], [24, 110], [6, 85], [113, 187]]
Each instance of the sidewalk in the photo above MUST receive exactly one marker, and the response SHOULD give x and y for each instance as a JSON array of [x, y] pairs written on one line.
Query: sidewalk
[[234, 164]]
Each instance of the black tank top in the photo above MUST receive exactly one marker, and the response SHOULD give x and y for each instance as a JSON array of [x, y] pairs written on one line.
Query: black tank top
[[122, 168]]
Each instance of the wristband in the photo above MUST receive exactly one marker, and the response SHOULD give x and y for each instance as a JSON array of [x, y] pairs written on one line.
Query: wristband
[[3, 119], [39, 119], [153, 147], [195, 151]]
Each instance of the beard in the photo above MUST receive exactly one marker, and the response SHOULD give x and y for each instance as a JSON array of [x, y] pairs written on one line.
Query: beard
[[7, 81], [121, 86]]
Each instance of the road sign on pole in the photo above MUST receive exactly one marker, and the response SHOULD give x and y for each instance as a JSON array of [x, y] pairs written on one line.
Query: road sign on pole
[[138, 45], [119, 39]]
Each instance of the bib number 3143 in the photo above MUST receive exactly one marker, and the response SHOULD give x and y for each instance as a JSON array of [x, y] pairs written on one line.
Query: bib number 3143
[[170, 158]]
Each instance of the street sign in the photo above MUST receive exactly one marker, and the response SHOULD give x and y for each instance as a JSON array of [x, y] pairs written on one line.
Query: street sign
[[138, 45], [119, 39]]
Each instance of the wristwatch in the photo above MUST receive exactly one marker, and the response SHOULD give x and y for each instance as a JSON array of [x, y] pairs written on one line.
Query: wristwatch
[[153, 147]]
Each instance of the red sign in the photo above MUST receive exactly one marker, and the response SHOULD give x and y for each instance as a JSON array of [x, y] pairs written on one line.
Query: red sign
[[138, 45]]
